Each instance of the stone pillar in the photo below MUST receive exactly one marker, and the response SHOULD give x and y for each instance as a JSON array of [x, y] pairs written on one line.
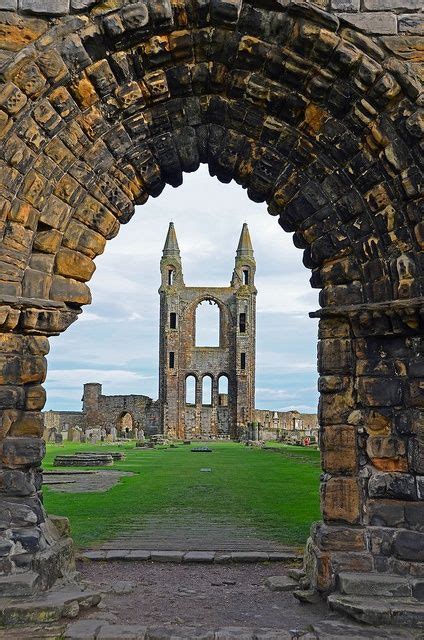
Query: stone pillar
[[33, 554], [372, 443]]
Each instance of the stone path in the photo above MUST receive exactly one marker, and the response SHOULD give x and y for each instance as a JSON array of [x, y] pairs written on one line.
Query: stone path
[[83, 481], [191, 532], [178, 602]]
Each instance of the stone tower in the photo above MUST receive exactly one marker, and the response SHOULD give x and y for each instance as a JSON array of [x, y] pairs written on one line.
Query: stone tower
[[230, 364]]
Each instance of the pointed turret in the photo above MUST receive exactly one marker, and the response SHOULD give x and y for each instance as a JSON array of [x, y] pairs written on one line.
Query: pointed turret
[[244, 272], [245, 248], [171, 247], [170, 264]]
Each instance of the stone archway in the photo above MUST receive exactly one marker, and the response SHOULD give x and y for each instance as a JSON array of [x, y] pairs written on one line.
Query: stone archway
[[126, 425], [101, 108]]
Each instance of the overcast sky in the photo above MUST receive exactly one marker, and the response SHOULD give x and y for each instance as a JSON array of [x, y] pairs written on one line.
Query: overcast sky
[[115, 340]]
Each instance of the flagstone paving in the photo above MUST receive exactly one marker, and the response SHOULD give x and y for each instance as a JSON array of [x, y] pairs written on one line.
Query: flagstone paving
[[191, 532]]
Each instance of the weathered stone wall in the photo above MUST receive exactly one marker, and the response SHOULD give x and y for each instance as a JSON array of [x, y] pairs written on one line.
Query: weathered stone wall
[[286, 420], [318, 117], [100, 411], [178, 418]]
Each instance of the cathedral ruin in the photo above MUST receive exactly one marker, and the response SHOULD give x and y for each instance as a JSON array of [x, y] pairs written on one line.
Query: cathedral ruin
[[204, 390], [232, 362]]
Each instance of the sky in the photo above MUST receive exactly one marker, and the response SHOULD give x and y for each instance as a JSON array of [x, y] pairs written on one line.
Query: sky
[[115, 340]]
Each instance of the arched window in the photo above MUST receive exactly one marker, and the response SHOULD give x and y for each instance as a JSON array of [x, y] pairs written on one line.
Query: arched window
[[171, 274], [223, 384], [245, 276], [207, 327], [223, 391], [190, 390], [207, 390]]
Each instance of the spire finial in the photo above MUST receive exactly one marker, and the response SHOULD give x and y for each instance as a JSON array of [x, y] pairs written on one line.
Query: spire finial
[[245, 248], [171, 247]]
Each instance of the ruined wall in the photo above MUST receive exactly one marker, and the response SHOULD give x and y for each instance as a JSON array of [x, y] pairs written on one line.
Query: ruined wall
[[322, 120], [281, 424], [234, 358], [106, 411]]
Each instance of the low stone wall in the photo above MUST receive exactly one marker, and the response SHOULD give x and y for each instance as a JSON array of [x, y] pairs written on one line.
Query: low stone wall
[[86, 460]]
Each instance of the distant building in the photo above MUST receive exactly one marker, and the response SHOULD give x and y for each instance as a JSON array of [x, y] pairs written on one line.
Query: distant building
[[222, 377]]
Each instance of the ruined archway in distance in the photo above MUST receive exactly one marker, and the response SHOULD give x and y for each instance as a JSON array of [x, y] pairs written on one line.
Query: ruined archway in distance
[[314, 112], [126, 424]]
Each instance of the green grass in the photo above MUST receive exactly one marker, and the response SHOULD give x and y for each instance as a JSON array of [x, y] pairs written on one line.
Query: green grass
[[277, 493]]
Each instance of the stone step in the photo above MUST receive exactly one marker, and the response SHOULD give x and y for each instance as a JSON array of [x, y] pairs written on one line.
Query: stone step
[[380, 611], [380, 584], [20, 584], [51, 606], [191, 556]]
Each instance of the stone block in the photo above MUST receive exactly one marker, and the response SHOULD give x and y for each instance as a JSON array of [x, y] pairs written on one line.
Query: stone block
[[135, 16], [84, 630], [381, 22], [387, 453], [386, 513], [46, 7], [336, 409], [11, 397], [352, 561], [374, 585], [117, 554], [225, 11], [74, 264], [82, 5], [387, 5], [199, 556], [23, 452], [345, 5], [14, 482], [416, 454], [81, 238], [167, 556], [382, 392], [121, 632], [417, 393], [62, 525], [30, 80], [28, 423], [335, 538], [411, 23], [35, 398], [339, 449], [340, 499], [281, 583], [101, 75], [409, 545], [334, 356], [414, 516], [11, 5], [70, 290], [19, 585], [139, 554], [378, 424], [249, 556], [12, 99], [400, 486]]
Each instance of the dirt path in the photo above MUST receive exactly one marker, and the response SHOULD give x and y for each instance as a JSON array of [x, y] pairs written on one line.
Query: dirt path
[[204, 595]]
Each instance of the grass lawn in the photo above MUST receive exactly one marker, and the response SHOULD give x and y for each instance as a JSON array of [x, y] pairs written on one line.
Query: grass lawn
[[277, 493]]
